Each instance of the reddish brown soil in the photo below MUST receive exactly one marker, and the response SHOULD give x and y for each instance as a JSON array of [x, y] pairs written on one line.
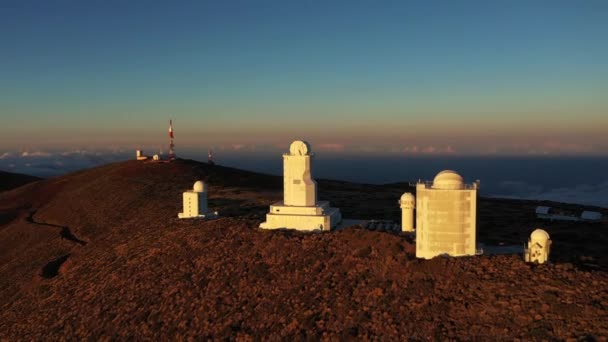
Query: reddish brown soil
[[100, 253]]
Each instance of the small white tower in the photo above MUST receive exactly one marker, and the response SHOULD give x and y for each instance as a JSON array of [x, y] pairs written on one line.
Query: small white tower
[[408, 203], [538, 248], [195, 202]]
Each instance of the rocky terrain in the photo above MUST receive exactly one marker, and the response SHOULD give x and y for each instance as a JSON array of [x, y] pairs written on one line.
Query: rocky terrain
[[101, 254]]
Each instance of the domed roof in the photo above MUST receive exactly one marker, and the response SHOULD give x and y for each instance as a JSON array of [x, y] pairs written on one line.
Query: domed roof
[[199, 186], [448, 180], [299, 148], [408, 196], [540, 236]]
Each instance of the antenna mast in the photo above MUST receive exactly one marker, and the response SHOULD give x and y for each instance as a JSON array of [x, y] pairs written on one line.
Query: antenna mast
[[171, 145]]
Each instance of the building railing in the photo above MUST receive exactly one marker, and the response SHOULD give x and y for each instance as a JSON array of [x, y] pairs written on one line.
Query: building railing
[[429, 185]]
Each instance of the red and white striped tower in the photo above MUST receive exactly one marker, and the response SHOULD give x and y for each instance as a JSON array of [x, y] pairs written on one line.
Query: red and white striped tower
[[171, 145]]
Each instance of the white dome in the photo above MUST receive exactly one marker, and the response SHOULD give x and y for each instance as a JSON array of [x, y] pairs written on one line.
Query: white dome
[[299, 148], [408, 196], [448, 180], [539, 236], [199, 186]]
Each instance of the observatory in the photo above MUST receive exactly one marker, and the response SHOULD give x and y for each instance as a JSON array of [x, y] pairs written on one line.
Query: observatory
[[195, 202], [408, 204], [139, 155], [446, 212], [559, 214], [538, 248], [299, 208]]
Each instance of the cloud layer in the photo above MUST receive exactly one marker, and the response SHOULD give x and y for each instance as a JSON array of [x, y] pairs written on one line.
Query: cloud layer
[[48, 164]]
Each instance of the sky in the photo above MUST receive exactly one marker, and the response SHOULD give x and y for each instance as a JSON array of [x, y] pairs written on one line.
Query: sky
[[395, 77]]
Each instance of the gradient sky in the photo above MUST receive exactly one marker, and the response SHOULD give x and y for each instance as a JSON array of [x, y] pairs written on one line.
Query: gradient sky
[[466, 77]]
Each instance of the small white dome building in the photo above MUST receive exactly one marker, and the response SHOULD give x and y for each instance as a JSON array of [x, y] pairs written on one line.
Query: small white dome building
[[199, 186], [446, 215], [139, 155], [538, 248], [195, 202], [408, 204]]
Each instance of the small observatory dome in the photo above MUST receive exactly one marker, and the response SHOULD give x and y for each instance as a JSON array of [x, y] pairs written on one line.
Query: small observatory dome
[[539, 236], [407, 197], [448, 180], [299, 148], [538, 248], [408, 200], [199, 186]]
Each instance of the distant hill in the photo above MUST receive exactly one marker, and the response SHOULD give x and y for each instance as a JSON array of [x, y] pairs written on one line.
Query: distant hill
[[101, 253], [9, 180]]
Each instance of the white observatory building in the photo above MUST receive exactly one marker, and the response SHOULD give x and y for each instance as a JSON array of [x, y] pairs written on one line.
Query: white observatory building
[[446, 215], [195, 202], [139, 155], [408, 204], [538, 248], [299, 208]]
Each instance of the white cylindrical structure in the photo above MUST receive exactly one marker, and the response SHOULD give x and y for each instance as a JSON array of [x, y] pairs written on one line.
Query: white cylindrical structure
[[539, 247], [195, 201], [138, 153], [408, 203]]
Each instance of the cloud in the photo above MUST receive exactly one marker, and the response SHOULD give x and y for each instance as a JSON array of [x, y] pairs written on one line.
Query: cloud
[[562, 147], [411, 149], [331, 147], [48, 164], [26, 154], [429, 149]]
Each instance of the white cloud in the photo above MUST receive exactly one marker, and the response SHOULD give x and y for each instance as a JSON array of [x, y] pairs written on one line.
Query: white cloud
[[331, 147], [47, 164], [34, 154], [415, 149]]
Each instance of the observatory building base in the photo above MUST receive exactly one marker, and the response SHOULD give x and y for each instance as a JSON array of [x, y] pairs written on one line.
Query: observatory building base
[[319, 217], [213, 215]]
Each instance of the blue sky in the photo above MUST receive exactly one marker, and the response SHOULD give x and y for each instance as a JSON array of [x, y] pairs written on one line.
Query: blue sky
[[470, 77]]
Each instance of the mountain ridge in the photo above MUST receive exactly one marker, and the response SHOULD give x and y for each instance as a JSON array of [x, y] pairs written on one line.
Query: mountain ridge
[[101, 253]]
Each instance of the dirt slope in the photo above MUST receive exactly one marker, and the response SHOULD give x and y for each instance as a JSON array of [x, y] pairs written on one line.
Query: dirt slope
[[9, 180], [100, 253]]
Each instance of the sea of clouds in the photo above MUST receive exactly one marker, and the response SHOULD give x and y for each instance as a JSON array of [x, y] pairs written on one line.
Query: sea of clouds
[[48, 164], [592, 190]]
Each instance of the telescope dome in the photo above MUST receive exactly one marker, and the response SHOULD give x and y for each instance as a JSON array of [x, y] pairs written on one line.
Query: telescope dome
[[299, 148], [199, 186], [408, 197], [448, 180], [539, 236]]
